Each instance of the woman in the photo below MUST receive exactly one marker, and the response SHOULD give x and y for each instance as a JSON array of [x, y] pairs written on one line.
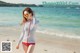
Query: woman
[[29, 27]]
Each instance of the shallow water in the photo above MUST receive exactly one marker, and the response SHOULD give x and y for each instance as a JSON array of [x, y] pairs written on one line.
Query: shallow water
[[51, 20]]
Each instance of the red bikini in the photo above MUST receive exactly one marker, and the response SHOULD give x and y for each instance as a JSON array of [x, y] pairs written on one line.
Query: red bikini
[[27, 44]]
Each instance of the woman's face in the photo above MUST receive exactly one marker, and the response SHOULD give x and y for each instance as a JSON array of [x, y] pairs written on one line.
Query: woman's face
[[26, 14]]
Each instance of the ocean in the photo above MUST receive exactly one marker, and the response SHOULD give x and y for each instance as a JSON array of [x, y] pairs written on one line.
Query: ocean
[[62, 22]]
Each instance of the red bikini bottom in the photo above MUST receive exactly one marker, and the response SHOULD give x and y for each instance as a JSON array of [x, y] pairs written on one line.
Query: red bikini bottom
[[27, 44]]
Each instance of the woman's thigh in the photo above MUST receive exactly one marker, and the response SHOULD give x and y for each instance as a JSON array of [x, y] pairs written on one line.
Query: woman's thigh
[[30, 48], [25, 47]]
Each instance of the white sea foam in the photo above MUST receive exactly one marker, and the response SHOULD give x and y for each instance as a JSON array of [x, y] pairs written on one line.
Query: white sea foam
[[60, 34]]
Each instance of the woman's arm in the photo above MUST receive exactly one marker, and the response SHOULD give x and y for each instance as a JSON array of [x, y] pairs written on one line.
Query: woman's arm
[[32, 24], [20, 39]]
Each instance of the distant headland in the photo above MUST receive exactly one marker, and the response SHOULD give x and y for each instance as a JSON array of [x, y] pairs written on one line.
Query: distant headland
[[59, 4], [5, 4]]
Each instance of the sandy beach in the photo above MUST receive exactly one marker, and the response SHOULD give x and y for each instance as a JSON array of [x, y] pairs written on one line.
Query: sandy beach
[[44, 43]]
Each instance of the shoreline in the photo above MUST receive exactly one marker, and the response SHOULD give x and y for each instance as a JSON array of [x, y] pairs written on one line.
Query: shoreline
[[55, 32]]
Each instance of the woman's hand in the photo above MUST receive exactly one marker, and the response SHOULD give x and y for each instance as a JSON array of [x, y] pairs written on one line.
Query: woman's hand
[[17, 47]]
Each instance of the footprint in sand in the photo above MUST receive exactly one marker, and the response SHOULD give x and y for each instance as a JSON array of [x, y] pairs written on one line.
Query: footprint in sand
[[8, 40], [74, 52], [45, 50], [13, 40]]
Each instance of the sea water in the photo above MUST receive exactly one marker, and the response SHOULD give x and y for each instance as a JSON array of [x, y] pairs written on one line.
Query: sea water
[[53, 21]]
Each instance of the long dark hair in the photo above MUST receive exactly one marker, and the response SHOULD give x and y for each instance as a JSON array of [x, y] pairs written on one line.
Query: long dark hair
[[30, 11]]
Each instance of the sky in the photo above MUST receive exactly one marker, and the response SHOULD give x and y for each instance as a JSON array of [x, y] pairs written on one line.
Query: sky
[[35, 1]]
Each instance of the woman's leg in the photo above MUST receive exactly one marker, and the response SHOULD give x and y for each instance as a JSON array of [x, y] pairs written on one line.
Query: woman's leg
[[30, 48], [25, 48]]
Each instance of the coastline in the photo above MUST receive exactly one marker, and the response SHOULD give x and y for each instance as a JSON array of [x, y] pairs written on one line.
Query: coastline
[[44, 43]]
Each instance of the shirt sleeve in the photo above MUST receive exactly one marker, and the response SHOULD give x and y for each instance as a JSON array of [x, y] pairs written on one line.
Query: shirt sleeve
[[33, 24], [21, 37]]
